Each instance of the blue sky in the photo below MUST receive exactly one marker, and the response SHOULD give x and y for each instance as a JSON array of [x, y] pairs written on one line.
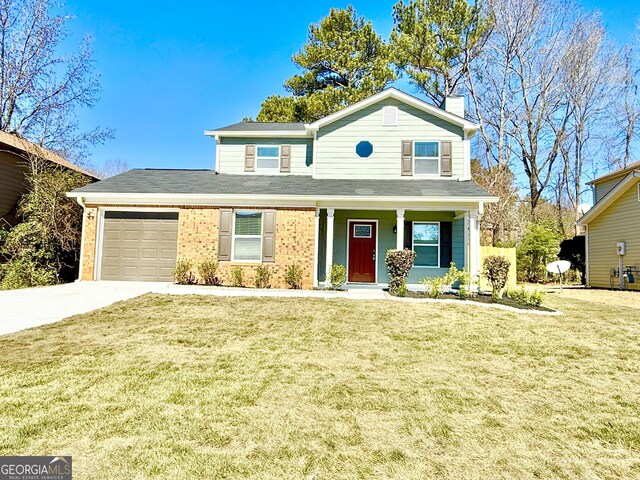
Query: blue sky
[[170, 71]]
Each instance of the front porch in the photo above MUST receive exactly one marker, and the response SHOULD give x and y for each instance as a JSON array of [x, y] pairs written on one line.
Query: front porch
[[359, 240]]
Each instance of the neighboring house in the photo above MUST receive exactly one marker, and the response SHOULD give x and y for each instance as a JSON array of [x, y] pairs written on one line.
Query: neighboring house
[[611, 225], [388, 172], [15, 153]]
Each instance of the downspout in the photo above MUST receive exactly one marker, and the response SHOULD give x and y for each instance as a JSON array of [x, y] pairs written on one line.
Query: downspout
[[80, 200]]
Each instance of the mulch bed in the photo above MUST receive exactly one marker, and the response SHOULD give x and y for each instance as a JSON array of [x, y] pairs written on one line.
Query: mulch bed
[[482, 298]]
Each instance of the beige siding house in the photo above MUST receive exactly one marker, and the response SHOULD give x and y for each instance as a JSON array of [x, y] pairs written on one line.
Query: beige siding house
[[613, 230]]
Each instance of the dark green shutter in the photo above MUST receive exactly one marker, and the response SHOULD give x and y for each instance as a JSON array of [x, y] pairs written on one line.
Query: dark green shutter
[[446, 244], [408, 234]]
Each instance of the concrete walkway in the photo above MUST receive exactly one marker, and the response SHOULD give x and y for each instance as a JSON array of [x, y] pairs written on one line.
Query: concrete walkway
[[32, 307]]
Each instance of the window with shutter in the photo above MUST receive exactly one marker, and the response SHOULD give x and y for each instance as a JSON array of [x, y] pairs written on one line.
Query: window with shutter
[[247, 236]]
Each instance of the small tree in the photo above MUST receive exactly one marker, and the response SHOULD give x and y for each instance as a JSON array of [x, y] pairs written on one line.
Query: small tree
[[236, 276], [42, 248], [540, 246], [496, 270], [399, 264]]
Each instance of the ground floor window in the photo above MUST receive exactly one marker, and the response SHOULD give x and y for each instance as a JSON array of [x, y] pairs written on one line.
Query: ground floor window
[[247, 236], [426, 243]]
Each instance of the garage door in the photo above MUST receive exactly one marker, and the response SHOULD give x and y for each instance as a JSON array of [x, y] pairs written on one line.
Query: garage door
[[139, 246]]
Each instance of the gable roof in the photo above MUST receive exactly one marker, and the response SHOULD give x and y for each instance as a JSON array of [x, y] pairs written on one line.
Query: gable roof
[[616, 173], [401, 97], [631, 179], [299, 129], [15, 142]]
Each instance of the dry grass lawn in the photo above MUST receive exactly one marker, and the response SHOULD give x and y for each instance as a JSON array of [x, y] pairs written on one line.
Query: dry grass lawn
[[207, 387]]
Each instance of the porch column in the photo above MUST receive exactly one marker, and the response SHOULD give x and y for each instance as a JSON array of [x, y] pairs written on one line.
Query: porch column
[[400, 229], [316, 244], [474, 243], [329, 254]]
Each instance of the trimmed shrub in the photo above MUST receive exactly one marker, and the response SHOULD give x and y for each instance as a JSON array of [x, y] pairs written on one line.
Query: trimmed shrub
[[207, 270], [338, 275], [263, 277], [496, 271], [236, 276], [399, 263], [293, 276], [183, 273]]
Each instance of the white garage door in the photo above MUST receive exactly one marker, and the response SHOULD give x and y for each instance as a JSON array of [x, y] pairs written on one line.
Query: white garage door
[[139, 246]]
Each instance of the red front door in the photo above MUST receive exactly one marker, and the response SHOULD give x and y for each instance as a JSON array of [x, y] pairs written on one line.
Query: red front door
[[362, 251]]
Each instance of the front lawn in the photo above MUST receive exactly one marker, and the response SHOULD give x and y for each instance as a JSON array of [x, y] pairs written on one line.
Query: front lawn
[[209, 387]]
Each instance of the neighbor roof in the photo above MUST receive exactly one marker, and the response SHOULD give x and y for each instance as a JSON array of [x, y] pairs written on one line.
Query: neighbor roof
[[208, 182], [16, 142], [627, 182], [615, 173], [262, 126]]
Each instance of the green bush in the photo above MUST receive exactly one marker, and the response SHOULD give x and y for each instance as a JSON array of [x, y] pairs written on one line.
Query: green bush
[[207, 270], [236, 276], [338, 275], [496, 271], [182, 272], [399, 263], [23, 273], [263, 277], [533, 297], [540, 246], [402, 290], [293, 276], [454, 276]]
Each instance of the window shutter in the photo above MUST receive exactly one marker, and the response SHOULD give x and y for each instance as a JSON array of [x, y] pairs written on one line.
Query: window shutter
[[445, 158], [407, 158], [249, 158], [285, 158], [224, 237], [269, 236], [446, 243], [408, 234]]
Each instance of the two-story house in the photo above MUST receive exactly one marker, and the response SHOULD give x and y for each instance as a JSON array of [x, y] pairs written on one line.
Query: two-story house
[[391, 171]]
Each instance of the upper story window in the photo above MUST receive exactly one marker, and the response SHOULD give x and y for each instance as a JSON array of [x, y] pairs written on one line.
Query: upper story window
[[390, 116], [268, 157], [247, 236], [426, 158]]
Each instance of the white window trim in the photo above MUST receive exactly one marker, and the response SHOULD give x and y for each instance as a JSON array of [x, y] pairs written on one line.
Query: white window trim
[[355, 225], [268, 170], [234, 236], [413, 247], [396, 112], [438, 158]]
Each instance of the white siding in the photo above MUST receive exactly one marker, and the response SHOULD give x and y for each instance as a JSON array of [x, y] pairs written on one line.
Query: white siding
[[336, 157], [231, 154], [618, 223]]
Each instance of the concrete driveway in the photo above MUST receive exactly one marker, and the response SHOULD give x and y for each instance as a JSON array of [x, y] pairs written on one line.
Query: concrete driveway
[[31, 307]]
